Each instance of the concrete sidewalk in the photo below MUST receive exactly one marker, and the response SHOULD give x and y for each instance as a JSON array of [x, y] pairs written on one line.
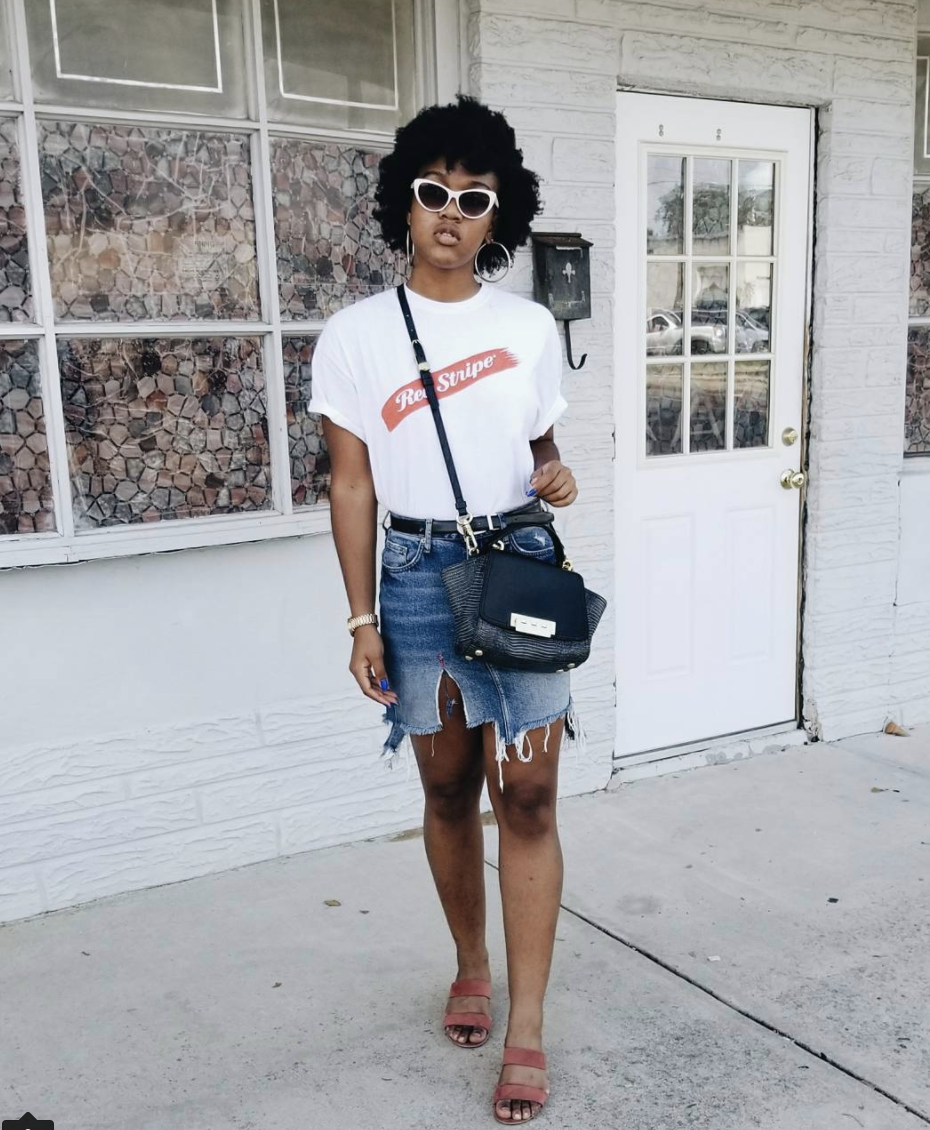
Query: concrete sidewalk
[[242, 1000]]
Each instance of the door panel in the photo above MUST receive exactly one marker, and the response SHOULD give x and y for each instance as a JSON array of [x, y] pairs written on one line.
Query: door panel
[[713, 221]]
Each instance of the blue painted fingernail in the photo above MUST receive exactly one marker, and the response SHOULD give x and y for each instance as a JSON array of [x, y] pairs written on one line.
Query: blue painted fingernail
[[531, 494], [385, 685]]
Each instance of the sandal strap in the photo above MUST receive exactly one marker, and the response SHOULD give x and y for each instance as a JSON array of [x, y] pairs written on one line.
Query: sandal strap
[[525, 1057], [505, 1091], [470, 987], [467, 1019]]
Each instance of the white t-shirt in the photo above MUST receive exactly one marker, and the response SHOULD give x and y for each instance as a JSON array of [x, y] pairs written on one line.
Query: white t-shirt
[[496, 359]]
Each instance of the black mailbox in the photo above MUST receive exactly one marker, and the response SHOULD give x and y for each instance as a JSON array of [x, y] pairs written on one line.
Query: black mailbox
[[562, 278]]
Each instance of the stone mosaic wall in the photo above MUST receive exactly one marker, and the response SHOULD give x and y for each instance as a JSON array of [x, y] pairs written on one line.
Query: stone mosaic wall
[[26, 505], [329, 249], [15, 289], [164, 428], [310, 467], [920, 252], [148, 223], [917, 395]]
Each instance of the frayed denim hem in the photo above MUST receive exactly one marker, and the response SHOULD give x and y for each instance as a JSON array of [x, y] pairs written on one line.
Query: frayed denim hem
[[575, 735]]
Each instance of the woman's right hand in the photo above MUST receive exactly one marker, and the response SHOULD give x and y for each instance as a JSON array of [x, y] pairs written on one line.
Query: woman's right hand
[[367, 665]]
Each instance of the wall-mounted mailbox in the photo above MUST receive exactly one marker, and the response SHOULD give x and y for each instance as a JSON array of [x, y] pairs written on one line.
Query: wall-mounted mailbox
[[562, 278]]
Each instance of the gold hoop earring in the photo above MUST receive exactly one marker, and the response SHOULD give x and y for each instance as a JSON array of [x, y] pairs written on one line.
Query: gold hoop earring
[[500, 272]]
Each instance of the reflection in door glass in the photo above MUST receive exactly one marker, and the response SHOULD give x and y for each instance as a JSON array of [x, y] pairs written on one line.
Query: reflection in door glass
[[710, 207], [665, 205], [664, 306], [664, 385], [709, 287], [751, 404], [709, 406], [753, 307], [755, 208]]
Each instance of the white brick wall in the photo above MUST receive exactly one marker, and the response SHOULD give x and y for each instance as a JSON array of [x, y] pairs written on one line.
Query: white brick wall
[[206, 783]]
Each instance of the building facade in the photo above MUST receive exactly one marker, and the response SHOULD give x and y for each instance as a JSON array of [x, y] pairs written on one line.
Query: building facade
[[186, 190]]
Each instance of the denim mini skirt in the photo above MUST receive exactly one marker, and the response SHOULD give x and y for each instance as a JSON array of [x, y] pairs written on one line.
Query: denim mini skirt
[[418, 630]]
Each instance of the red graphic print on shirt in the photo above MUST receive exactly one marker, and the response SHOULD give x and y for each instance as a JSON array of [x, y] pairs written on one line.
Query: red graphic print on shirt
[[453, 378]]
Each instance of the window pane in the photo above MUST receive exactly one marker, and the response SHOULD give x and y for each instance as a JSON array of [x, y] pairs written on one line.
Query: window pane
[[148, 223], [348, 65], [917, 397], [710, 204], [920, 252], [756, 208], [162, 428], [709, 407], [184, 55], [753, 307], [310, 468], [665, 196], [330, 251], [922, 123], [751, 404], [6, 78], [26, 504], [663, 409], [664, 307], [709, 286], [15, 284]]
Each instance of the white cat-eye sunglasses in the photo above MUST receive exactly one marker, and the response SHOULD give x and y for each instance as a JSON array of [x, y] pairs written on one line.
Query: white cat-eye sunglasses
[[473, 203]]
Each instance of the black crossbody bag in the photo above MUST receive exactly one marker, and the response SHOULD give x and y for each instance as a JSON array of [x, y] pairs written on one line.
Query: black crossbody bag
[[510, 611]]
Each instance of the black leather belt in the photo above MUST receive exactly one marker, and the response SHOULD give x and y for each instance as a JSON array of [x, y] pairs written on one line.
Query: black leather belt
[[533, 514]]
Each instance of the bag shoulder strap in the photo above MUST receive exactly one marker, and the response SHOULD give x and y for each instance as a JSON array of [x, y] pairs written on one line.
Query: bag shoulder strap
[[426, 377]]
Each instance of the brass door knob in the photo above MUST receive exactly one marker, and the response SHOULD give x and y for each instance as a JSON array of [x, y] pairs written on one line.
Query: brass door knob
[[789, 436], [789, 479]]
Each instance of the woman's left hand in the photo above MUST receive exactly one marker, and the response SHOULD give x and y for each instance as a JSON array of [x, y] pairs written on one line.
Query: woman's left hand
[[554, 483]]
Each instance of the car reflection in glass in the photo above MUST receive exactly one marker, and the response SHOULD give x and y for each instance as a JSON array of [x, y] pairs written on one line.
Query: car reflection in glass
[[708, 332]]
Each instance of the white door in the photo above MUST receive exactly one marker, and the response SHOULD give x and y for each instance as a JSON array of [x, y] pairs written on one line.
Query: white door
[[713, 222]]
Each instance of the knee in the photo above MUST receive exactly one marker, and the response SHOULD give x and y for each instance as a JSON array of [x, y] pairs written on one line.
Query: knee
[[527, 808], [455, 799]]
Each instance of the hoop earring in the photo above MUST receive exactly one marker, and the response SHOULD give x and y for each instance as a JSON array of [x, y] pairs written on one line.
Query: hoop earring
[[500, 274], [411, 250]]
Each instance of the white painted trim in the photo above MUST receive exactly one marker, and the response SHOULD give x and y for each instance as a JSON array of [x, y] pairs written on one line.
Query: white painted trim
[[335, 101], [210, 328], [59, 73], [15, 331]]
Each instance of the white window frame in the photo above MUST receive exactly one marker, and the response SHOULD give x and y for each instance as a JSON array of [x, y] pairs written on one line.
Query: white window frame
[[438, 43], [918, 462]]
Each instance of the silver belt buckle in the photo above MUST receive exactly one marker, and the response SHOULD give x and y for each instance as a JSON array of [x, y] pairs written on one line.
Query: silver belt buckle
[[532, 625]]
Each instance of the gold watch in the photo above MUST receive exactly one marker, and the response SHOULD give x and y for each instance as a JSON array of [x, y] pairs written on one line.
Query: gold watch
[[357, 621]]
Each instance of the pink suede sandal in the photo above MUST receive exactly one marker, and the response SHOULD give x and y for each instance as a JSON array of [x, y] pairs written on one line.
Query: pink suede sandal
[[521, 1092], [469, 987]]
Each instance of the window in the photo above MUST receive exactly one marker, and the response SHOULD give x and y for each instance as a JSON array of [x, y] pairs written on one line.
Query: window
[[186, 194], [917, 397]]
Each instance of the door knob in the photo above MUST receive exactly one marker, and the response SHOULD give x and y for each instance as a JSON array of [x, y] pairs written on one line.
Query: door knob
[[789, 479]]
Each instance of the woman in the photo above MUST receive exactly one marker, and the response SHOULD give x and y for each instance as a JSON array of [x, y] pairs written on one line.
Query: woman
[[454, 194]]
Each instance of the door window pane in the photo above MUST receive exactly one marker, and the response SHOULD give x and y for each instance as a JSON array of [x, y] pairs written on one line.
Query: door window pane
[[310, 467], [709, 289], [753, 307], [15, 284], [665, 203], [756, 208], [664, 385], [183, 55], [709, 406], [917, 397], [751, 404], [6, 78], [26, 503], [164, 428], [348, 65], [920, 252], [329, 249], [710, 206], [148, 222], [664, 308]]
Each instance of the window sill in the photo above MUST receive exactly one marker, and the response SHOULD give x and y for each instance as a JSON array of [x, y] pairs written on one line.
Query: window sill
[[52, 549]]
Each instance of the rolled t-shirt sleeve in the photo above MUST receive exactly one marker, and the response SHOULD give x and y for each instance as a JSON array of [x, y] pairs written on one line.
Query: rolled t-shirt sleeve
[[333, 392], [551, 403]]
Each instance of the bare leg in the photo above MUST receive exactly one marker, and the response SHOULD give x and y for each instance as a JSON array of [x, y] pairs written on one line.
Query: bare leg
[[531, 890], [452, 774]]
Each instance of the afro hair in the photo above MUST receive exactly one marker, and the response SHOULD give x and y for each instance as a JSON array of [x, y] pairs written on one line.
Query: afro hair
[[469, 133]]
